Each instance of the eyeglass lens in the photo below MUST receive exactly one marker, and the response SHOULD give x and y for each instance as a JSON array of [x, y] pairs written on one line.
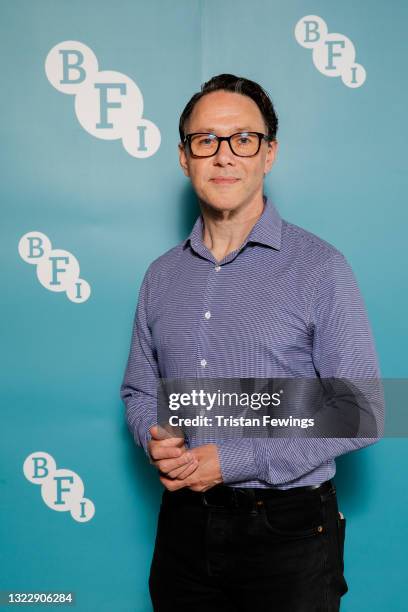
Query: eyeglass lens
[[244, 144]]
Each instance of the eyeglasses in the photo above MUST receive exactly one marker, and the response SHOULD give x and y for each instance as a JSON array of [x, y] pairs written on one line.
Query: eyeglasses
[[242, 144]]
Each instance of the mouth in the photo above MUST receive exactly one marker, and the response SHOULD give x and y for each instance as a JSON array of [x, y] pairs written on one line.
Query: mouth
[[224, 180]]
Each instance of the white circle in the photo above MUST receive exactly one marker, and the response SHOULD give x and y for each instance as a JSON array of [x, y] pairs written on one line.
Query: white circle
[[85, 70], [38, 247], [79, 294], [45, 467], [316, 32], [92, 105], [354, 76], [203, 363], [53, 491], [84, 506], [334, 65], [207, 315], [142, 138], [58, 275]]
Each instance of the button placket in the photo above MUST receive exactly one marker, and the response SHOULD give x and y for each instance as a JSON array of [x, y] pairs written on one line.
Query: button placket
[[206, 318]]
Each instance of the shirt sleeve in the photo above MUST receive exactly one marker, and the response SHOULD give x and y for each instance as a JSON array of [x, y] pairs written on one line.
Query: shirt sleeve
[[139, 386], [343, 347]]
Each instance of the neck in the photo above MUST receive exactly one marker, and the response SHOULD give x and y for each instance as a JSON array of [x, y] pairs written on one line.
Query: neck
[[226, 230]]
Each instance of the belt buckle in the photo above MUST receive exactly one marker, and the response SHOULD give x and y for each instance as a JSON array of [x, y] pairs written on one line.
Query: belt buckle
[[234, 496]]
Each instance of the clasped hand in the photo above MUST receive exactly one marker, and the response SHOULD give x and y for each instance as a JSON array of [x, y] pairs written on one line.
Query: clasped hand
[[197, 468]]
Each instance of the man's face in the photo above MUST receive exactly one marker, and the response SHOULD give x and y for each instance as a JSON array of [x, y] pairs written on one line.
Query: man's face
[[226, 181]]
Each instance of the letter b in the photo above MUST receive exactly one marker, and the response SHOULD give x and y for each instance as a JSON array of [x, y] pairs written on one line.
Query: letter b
[[38, 246], [310, 31], [76, 65], [33, 247], [70, 65]]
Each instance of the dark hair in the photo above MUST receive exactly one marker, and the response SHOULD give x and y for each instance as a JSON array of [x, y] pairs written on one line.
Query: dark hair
[[230, 82]]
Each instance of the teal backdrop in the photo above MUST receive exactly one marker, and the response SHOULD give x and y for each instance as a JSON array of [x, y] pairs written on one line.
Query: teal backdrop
[[340, 173]]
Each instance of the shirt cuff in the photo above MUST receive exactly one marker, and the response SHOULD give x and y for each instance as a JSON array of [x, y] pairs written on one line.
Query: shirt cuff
[[237, 460], [147, 436]]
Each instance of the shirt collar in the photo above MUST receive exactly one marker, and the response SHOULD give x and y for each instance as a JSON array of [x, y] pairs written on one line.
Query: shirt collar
[[267, 230]]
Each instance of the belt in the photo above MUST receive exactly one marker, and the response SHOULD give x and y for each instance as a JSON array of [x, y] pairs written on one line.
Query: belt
[[222, 496]]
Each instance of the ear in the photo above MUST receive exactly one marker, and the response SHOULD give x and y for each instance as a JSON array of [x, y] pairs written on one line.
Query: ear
[[271, 155], [183, 159]]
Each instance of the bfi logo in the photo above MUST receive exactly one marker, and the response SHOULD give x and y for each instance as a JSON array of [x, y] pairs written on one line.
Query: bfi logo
[[108, 104], [61, 489], [57, 270], [333, 54]]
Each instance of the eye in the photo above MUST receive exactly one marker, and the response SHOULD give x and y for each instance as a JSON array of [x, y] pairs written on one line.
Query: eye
[[245, 138], [206, 139]]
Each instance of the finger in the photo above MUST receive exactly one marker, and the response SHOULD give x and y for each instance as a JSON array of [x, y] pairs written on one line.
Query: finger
[[173, 485], [167, 442], [156, 432], [174, 443], [185, 469], [162, 452], [166, 465], [182, 472], [160, 433]]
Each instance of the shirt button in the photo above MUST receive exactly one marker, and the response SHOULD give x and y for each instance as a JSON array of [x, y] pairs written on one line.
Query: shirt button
[[203, 363], [217, 268], [207, 314]]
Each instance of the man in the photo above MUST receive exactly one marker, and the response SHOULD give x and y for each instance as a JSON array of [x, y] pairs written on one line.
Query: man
[[245, 524]]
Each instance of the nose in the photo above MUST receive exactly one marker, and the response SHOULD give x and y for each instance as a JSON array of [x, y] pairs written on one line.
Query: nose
[[224, 154]]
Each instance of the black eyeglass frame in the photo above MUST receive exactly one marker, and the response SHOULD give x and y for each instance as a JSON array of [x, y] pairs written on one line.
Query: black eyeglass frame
[[261, 137]]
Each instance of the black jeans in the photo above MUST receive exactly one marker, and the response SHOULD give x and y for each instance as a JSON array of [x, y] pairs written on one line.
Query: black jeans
[[283, 554]]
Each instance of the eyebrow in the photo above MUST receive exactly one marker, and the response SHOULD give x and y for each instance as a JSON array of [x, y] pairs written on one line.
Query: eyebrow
[[234, 129]]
